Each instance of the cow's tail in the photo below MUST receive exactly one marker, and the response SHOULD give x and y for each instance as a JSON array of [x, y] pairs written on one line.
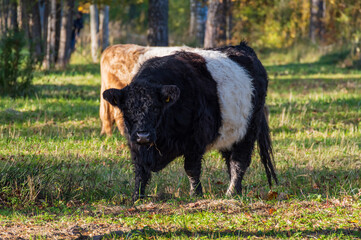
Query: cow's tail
[[265, 150]]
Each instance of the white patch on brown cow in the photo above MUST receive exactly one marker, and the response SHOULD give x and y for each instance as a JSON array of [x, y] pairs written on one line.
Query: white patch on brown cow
[[151, 52]]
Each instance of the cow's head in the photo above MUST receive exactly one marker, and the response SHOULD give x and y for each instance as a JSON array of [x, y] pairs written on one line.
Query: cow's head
[[143, 105]]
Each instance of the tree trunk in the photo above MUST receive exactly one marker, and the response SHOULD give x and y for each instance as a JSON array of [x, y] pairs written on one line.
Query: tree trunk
[[50, 50], [193, 18], [2, 17], [201, 21], [20, 15], [198, 17], [5, 14], [216, 26], [44, 26], [65, 34], [23, 17], [222, 14], [94, 27], [13, 18], [104, 26], [158, 23], [211, 24], [35, 28], [59, 13], [229, 20], [317, 15]]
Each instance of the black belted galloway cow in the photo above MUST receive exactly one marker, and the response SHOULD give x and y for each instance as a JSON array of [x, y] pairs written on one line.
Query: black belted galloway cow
[[193, 101]]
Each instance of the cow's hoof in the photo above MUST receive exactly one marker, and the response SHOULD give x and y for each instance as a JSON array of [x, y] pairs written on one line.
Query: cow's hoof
[[137, 197], [233, 192], [196, 193]]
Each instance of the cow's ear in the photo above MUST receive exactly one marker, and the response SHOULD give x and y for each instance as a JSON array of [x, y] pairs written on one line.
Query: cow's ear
[[170, 93], [114, 96]]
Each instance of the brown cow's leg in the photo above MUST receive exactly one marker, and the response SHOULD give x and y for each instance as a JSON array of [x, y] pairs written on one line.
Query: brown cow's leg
[[105, 117], [119, 120]]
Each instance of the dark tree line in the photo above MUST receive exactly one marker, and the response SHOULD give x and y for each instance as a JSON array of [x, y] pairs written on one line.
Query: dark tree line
[[47, 26]]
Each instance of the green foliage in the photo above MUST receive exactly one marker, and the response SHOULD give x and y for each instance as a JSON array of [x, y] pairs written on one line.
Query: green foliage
[[283, 23], [16, 65], [265, 24]]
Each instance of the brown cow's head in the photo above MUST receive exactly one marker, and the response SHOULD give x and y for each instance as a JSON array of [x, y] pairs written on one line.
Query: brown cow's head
[[143, 105]]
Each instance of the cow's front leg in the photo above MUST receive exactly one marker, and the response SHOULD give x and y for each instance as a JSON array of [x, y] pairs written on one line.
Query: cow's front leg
[[193, 166], [142, 176]]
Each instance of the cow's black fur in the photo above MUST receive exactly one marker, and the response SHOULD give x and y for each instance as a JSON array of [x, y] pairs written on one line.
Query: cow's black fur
[[174, 100], [258, 128]]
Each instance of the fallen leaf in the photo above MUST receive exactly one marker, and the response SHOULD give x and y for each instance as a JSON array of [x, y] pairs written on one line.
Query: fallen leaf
[[353, 221], [131, 210], [315, 186], [272, 195], [271, 211]]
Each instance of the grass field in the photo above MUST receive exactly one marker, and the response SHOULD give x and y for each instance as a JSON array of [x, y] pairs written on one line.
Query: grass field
[[60, 179]]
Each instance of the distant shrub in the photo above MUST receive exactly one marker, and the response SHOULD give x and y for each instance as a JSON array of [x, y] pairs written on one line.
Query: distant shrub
[[16, 65]]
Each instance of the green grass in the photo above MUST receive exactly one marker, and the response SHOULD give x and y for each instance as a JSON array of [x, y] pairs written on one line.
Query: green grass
[[60, 179]]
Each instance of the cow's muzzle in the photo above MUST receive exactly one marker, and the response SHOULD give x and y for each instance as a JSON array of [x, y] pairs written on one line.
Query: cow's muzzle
[[143, 137]]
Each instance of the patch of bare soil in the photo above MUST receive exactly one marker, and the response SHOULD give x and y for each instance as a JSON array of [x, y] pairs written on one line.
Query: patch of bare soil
[[98, 227]]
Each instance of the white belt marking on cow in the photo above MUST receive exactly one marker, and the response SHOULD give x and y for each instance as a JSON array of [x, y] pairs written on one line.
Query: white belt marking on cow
[[235, 90]]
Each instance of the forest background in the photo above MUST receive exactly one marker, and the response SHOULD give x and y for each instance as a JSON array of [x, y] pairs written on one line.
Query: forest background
[[305, 26]]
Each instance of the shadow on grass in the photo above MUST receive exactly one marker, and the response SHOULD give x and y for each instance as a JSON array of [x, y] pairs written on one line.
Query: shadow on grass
[[68, 91], [58, 111], [33, 179], [151, 233], [327, 64], [76, 69], [321, 105], [307, 85], [84, 178]]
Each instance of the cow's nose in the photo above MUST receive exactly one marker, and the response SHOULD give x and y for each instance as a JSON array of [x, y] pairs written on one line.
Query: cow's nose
[[143, 137]]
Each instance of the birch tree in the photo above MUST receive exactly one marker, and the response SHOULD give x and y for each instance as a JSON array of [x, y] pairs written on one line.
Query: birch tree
[[216, 25], [104, 26], [317, 14], [94, 23], [211, 24]]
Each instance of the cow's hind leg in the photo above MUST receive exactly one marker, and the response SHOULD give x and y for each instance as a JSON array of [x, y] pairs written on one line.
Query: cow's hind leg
[[105, 116], [193, 167], [119, 120], [239, 161], [227, 157]]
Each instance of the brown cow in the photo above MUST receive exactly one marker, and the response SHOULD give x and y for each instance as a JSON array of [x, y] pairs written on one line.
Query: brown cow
[[119, 63]]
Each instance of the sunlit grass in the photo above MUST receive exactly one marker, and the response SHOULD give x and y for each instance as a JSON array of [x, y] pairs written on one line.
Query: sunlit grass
[[56, 170]]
